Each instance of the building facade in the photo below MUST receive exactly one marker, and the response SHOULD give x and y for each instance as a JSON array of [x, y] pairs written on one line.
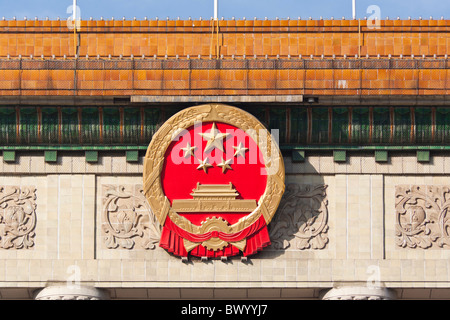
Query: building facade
[[360, 113]]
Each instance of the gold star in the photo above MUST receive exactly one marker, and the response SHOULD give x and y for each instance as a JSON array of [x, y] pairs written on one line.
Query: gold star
[[188, 150], [240, 150], [214, 138], [204, 165], [225, 165]]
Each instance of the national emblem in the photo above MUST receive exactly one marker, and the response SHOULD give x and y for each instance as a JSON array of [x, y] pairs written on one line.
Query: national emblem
[[214, 178]]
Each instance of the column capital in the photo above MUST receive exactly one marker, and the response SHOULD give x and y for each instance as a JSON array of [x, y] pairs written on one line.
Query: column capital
[[359, 293], [72, 293]]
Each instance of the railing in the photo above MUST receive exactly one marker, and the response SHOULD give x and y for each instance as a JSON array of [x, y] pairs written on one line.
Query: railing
[[226, 26], [225, 77]]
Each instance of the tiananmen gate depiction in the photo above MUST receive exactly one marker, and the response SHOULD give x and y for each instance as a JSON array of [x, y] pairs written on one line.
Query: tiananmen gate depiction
[[224, 159]]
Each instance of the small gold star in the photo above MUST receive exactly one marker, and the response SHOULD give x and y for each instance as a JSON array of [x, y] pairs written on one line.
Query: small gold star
[[240, 150], [188, 150], [214, 138], [204, 165], [225, 165]]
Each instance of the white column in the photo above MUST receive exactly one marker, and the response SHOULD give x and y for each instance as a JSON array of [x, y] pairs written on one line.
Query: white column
[[359, 293], [72, 293]]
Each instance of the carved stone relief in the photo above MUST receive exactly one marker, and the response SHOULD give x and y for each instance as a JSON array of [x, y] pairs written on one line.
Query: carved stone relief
[[302, 218], [422, 219], [17, 217], [128, 221], [301, 222]]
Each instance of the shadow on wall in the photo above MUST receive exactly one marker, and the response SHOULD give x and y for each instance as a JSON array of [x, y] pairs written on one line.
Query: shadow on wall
[[301, 221]]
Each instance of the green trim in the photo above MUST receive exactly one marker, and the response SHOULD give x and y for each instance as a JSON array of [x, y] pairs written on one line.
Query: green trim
[[423, 156], [91, 156], [72, 148], [340, 155], [298, 156], [364, 148], [283, 147], [51, 156], [132, 155], [9, 156], [304, 127], [381, 156]]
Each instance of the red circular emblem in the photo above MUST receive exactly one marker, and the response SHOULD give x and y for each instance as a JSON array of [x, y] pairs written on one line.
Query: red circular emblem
[[214, 178]]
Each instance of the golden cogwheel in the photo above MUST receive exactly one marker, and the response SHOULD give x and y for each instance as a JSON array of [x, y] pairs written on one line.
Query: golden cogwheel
[[215, 224]]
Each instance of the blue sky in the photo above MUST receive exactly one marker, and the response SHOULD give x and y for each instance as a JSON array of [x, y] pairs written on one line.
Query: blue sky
[[227, 8]]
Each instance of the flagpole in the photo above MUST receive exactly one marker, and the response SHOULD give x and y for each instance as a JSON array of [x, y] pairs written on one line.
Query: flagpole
[[216, 18], [75, 26], [354, 9], [216, 9]]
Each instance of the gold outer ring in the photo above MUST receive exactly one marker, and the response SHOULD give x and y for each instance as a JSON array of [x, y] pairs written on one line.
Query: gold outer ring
[[154, 161]]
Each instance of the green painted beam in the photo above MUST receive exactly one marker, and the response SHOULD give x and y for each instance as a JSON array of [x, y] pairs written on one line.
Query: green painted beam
[[310, 127], [423, 156], [91, 156], [72, 148], [381, 156], [340, 155], [9, 156], [132, 155], [51, 156], [298, 156], [364, 148], [283, 147]]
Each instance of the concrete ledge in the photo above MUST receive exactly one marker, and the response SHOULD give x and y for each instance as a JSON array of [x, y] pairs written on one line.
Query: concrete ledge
[[319, 100], [209, 99], [381, 100]]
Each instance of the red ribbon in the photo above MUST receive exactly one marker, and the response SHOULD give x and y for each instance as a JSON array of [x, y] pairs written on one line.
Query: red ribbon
[[215, 234], [228, 237], [173, 242]]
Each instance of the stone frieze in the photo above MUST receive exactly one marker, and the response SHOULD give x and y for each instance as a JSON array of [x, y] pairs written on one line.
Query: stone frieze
[[127, 220], [422, 219], [302, 219], [17, 217]]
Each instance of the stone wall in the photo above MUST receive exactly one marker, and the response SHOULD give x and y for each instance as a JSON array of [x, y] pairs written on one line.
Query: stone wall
[[339, 224]]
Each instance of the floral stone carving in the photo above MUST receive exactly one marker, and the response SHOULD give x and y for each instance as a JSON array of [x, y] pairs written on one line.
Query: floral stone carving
[[17, 217], [128, 220], [422, 218], [302, 218]]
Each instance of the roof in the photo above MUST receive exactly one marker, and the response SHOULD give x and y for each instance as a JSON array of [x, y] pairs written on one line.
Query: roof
[[241, 57]]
